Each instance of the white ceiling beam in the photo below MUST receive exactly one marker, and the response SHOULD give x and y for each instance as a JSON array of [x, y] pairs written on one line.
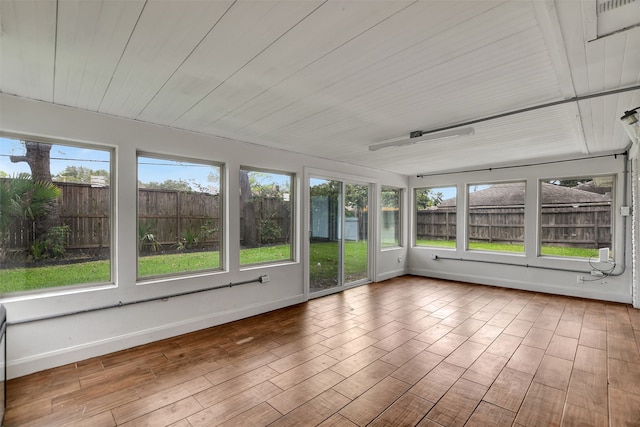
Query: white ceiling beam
[[550, 24], [547, 16]]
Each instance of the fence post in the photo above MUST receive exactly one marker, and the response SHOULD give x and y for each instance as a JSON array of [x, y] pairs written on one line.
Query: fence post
[[596, 229], [178, 219], [490, 227], [446, 226]]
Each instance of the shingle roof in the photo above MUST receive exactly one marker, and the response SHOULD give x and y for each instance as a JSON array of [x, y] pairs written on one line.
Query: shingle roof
[[512, 193]]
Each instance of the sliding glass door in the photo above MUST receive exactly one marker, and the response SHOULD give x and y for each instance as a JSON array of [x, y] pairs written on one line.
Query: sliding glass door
[[339, 231], [356, 233]]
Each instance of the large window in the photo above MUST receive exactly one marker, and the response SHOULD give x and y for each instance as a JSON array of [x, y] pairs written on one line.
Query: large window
[[55, 215], [179, 216], [576, 216], [496, 217], [266, 201], [391, 226], [435, 217]]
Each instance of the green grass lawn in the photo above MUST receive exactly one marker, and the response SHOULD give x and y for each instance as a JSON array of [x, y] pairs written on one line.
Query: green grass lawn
[[25, 279], [323, 263], [513, 248], [265, 254], [156, 265]]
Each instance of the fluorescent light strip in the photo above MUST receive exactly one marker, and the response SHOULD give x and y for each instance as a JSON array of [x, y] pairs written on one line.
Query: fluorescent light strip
[[428, 137]]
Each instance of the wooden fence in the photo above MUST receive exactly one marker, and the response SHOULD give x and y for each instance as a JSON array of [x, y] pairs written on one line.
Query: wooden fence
[[175, 215], [561, 225], [83, 208], [273, 221], [169, 215]]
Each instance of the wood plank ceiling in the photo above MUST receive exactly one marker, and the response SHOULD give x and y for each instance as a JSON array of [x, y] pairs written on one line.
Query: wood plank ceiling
[[330, 78]]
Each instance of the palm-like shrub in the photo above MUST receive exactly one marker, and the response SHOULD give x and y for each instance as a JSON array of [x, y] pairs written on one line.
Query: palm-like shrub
[[22, 198]]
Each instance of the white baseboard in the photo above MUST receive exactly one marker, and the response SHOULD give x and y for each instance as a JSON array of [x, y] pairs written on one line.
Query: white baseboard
[[39, 362], [524, 286], [390, 274]]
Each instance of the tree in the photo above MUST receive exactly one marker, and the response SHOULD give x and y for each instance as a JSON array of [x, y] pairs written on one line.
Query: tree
[[568, 182], [169, 184], [79, 174], [426, 198], [390, 199], [248, 210], [356, 199], [38, 157]]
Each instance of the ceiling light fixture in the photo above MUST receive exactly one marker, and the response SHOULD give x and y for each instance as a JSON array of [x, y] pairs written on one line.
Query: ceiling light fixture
[[631, 126], [630, 117], [418, 136]]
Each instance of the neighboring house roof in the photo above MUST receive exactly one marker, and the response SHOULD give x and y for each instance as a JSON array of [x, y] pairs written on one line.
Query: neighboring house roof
[[512, 193], [593, 188]]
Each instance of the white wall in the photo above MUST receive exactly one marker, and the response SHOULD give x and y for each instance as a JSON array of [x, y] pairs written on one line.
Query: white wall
[[39, 345], [542, 273]]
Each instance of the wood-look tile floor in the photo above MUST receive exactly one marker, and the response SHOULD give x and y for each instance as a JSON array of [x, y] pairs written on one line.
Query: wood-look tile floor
[[406, 352]]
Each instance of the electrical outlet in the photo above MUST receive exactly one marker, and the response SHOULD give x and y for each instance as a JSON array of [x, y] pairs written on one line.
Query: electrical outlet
[[580, 279], [434, 256]]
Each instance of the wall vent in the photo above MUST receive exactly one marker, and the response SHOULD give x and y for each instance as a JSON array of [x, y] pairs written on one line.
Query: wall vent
[[607, 5], [614, 16]]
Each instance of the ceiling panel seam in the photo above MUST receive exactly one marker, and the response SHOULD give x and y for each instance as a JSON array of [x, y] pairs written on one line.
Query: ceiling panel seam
[[389, 84], [310, 64], [249, 61], [550, 25], [115, 70], [367, 67], [55, 53], [186, 58], [355, 73]]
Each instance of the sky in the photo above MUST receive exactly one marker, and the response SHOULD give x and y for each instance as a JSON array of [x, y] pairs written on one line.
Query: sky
[[150, 169], [61, 157], [159, 170]]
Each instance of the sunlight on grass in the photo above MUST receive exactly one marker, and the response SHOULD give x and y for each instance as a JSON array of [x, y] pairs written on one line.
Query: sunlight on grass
[[512, 248], [569, 252], [26, 279], [265, 254], [155, 265], [497, 247], [323, 263], [436, 243]]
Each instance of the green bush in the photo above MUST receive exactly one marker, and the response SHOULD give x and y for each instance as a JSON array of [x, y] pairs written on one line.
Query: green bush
[[188, 240], [270, 231], [53, 244], [147, 238]]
